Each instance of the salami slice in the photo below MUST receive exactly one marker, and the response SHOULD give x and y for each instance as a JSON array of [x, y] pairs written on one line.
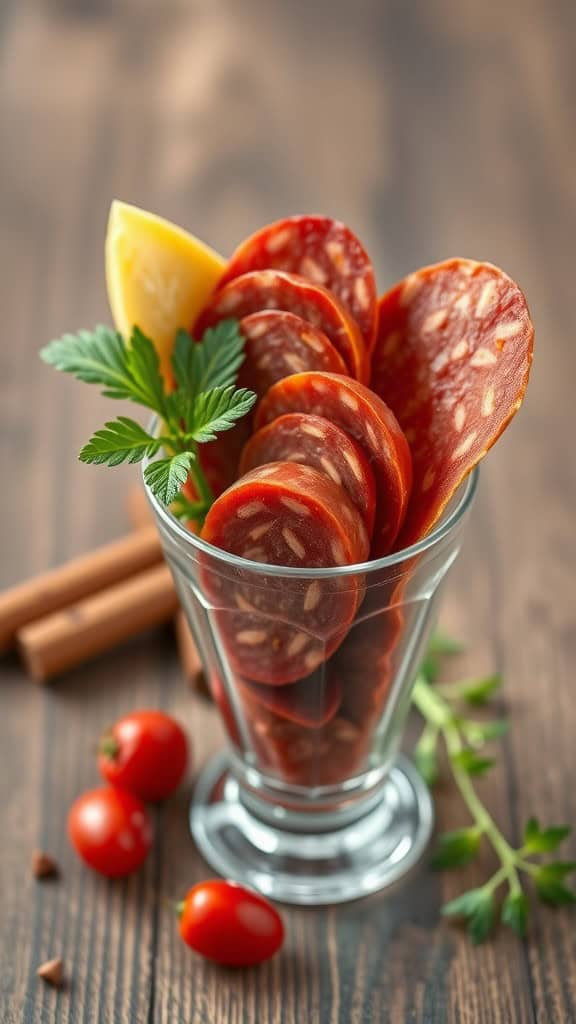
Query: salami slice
[[315, 441], [310, 703], [278, 344], [273, 289], [452, 360], [309, 757], [322, 250], [369, 421], [277, 629]]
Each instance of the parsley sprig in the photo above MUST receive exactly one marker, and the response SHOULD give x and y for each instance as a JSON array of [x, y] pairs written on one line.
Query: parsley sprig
[[204, 402], [463, 738]]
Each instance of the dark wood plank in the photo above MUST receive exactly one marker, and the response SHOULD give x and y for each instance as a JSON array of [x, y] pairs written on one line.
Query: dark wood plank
[[432, 129]]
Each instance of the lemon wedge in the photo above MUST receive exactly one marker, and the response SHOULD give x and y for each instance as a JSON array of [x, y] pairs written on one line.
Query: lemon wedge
[[158, 276]]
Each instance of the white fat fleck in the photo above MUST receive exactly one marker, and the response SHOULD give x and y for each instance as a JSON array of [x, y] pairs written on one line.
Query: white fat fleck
[[488, 401], [293, 542], [463, 302], [312, 430], [312, 596], [429, 477], [410, 288], [264, 361], [338, 552], [459, 350], [310, 339], [459, 416], [271, 303], [439, 362], [260, 531], [361, 293], [335, 251], [468, 267], [344, 731], [294, 362], [483, 357], [256, 330], [435, 320], [255, 555], [296, 506], [278, 241], [251, 509], [353, 463], [297, 644], [508, 330], [227, 302], [329, 468], [251, 637], [311, 269], [312, 660], [243, 604], [465, 446], [371, 434], [349, 400], [320, 387], [487, 296], [265, 471], [296, 457]]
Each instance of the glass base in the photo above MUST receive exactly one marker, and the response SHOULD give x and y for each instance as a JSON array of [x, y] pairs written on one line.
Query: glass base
[[297, 866]]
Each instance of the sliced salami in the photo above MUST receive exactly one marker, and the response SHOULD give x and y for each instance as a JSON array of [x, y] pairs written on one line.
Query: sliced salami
[[452, 361], [309, 757], [369, 421], [322, 250], [278, 629], [278, 344], [311, 703], [315, 441], [273, 289]]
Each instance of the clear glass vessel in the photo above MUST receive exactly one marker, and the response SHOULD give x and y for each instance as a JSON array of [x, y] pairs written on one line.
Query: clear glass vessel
[[310, 803]]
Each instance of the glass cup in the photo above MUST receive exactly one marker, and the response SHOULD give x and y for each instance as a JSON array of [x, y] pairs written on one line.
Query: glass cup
[[312, 671]]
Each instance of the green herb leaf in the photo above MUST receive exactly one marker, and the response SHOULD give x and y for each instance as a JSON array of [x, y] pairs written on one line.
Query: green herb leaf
[[539, 840], [430, 668], [477, 733], [454, 849], [165, 477], [218, 410], [478, 908], [102, 357], [144, 367], [120, 440], [550, 885], [515, 912], [442, 644], [211, 363], [471, 763], [479, 691], [426, 761]]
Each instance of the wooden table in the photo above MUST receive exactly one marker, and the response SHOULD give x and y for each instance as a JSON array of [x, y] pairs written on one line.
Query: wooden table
[[434, 129]]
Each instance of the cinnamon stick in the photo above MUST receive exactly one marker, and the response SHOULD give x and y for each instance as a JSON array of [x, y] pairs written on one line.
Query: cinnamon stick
[[75, 580], [67, 638]]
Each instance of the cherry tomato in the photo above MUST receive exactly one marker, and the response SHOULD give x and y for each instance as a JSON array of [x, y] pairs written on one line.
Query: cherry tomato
[[111, 830], [229, 924], [146, 753]]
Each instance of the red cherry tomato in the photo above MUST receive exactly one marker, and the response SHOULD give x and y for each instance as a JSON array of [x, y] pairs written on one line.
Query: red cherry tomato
[[111, 830], [229, 924], [146, 753]]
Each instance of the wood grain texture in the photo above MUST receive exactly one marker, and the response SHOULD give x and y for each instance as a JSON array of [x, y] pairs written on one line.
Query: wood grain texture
[[434, 129]]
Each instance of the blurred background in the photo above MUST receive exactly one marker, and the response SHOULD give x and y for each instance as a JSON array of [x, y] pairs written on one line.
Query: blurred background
[[435, 128]]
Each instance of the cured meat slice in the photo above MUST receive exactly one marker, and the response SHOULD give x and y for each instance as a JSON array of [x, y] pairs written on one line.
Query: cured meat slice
[[273, 289], [277, 629], [369, 421], [322, 250], [452, 360], [311, 702], [308, 757], [279, 343], [315, 441]]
